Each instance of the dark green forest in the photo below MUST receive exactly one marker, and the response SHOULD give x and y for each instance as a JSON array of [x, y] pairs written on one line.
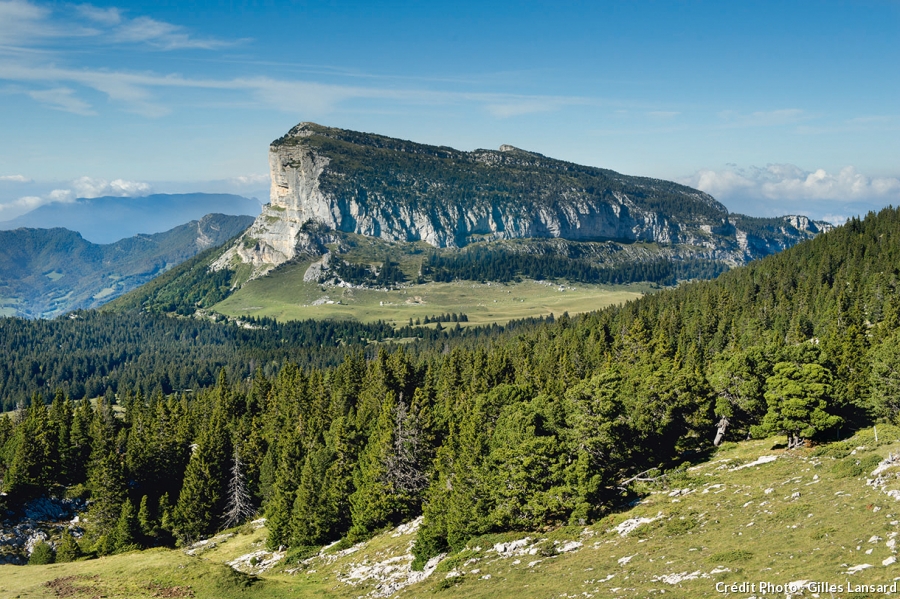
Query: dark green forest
[[87, 353], [524, 428], [490, 264]]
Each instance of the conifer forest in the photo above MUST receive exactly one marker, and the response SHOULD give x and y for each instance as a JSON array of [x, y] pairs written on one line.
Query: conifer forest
[[176, 429]]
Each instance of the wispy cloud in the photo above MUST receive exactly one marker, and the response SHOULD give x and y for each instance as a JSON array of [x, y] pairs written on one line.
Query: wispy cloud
[[28, 203], [34, 39], [62, 98], [105, 16], [770, 118], [662, 114], [24, 23], [162, 35], [15, 178]]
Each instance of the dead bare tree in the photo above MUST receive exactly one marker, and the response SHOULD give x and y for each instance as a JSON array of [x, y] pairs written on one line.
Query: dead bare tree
[[240, 505], [403, 467]]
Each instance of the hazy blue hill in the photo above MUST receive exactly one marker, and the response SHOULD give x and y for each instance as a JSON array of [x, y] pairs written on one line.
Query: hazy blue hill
[[109, 219], [45, 272]]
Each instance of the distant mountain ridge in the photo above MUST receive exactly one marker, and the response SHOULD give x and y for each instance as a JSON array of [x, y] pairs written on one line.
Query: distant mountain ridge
[[403, 191], [109, 219], [47, 272]]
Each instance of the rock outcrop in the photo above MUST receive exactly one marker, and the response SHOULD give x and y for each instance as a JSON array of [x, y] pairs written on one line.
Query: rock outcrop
[[325, 178]]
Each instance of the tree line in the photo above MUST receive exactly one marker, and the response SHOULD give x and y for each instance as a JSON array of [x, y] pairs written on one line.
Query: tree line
[[532, 427]]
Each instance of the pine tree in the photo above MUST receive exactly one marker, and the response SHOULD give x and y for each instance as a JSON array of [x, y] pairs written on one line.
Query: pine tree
[[79, 453], [311, 519], [798, 399], [387, 477]]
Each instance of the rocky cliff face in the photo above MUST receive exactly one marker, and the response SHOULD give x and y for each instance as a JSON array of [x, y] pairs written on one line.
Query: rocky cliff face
[[402, 191]]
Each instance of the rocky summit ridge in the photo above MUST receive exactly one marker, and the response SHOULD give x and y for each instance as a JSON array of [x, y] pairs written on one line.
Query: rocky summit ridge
[[326, 178]]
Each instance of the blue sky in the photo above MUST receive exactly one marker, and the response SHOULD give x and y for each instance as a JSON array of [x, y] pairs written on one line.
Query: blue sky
[[773, 107]]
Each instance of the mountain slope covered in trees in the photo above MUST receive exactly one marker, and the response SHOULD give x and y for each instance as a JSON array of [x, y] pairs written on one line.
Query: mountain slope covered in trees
[[47, 272], [534, 428]]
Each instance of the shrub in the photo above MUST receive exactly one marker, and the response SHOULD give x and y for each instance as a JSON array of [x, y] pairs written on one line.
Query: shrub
[[852, 468]]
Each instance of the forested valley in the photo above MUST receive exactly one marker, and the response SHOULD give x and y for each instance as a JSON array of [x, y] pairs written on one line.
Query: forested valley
[[516, 429]]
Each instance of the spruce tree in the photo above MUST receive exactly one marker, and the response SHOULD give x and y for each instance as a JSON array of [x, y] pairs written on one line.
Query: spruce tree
[[106, 475], [68, 550], [33, 467], [202, 499], [147, 523], [127, 532], [376, 501], [284, 490], [312, 519]]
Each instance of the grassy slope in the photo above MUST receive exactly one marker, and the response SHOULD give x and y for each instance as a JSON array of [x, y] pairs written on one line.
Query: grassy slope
[[287, 297], [714, 523]]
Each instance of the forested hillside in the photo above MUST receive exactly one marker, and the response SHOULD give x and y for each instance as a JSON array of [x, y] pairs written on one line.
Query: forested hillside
[[48, 272], [532, 428]]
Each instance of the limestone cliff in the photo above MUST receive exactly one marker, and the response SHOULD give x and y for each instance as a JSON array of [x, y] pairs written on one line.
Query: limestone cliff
[[403, 191]]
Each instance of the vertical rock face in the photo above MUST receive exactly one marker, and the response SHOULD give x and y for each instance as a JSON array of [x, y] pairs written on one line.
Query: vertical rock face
[[402, 191]]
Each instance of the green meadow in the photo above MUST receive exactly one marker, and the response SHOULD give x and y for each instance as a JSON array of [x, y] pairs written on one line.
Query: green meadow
[[750, 512], [288, 297]]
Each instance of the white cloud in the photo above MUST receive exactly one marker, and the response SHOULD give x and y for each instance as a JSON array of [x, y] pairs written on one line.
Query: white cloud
[[23, 204], [15, 178], [28, 203], [104, 16], [783, 188], [83, 187], [254, 179], [22, 22], [88, 187], [790, 182], [62, 98]]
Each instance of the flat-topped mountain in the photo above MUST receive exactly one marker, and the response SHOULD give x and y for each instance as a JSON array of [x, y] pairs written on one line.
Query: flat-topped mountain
[[46, 272], [399, 190]]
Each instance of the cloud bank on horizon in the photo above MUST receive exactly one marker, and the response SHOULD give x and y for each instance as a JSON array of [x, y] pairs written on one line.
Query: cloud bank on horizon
[[785, 188], [105, 99]]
